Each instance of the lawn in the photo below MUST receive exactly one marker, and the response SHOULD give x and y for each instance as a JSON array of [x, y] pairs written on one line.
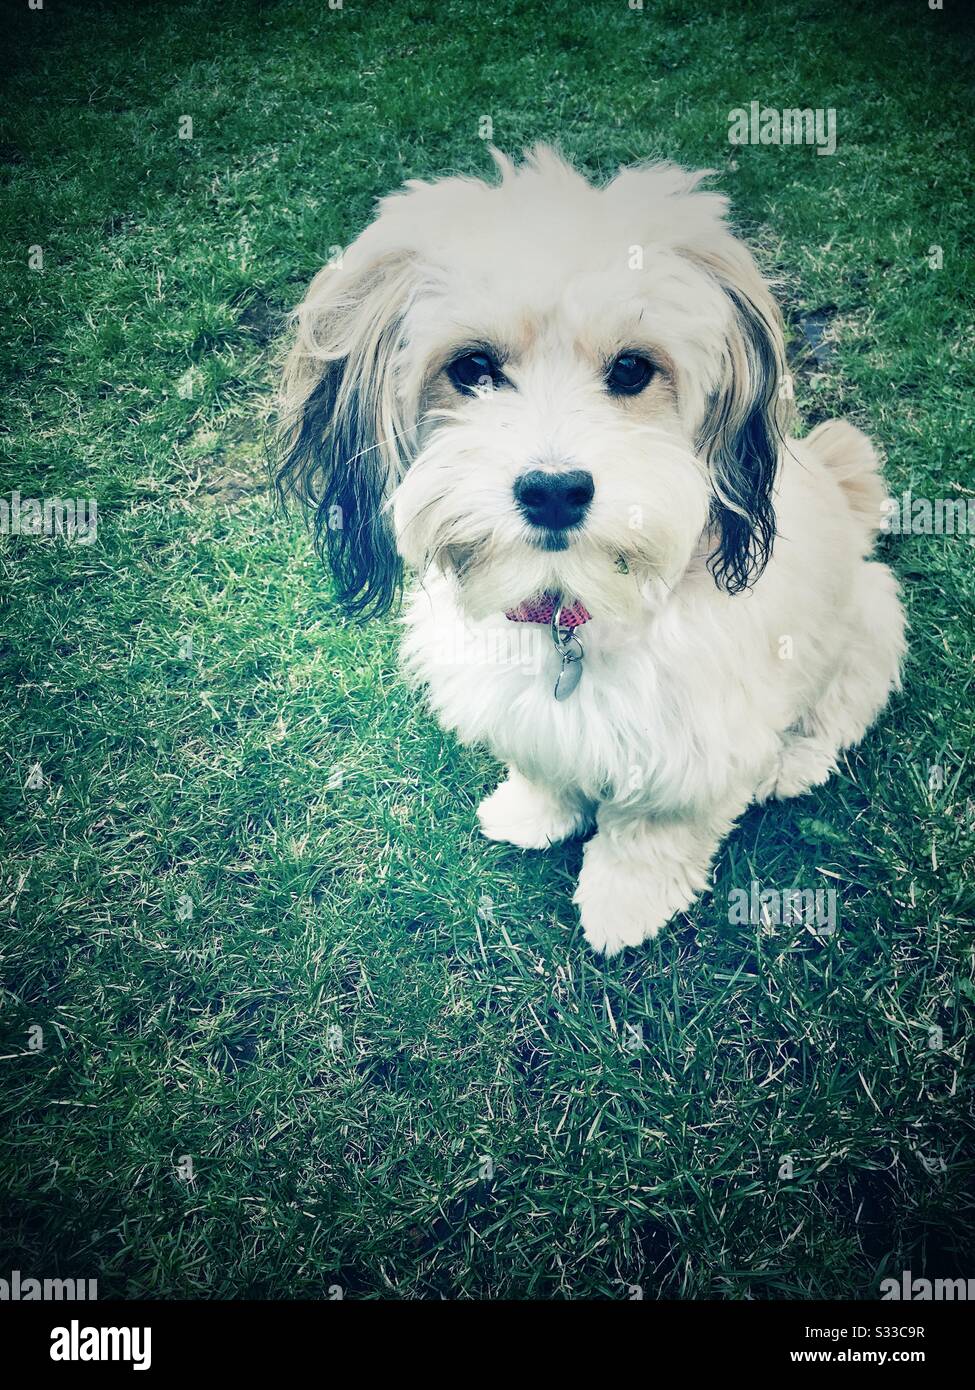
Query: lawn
[[274, 1020]]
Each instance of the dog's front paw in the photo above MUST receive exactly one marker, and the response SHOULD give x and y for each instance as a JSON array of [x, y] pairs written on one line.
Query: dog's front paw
[[519, 813], [616, 914], [636, 878]]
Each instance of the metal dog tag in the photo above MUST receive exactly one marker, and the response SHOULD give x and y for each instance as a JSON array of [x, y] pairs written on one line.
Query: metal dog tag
[[570, 650], [570, 675]]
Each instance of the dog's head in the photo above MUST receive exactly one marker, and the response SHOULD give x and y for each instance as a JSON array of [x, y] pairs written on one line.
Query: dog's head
[[538, 385]]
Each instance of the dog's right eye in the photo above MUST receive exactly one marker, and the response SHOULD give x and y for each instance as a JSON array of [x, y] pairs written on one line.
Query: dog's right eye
[[629, 374], [475, 371]]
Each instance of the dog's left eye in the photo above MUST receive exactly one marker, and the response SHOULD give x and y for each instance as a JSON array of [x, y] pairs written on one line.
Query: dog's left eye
[[475, 371], [629, 374]]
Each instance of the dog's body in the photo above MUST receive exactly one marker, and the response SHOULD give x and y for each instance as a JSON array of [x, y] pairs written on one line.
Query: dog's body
[[624, 448]]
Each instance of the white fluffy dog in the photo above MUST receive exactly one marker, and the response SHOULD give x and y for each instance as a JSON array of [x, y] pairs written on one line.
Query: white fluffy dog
[[566, 408]]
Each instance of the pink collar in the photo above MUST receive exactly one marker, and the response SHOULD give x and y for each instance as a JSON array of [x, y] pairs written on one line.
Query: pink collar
[[542, 609]]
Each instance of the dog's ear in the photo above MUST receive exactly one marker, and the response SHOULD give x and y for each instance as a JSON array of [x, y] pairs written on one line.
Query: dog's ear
[[345, 429], [745, 419], [744, 426]]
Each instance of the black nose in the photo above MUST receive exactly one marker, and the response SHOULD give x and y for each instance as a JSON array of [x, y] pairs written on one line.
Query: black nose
[[554, 500]]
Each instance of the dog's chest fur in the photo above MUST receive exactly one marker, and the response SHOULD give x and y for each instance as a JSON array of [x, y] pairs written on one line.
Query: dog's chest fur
[[658, 719]]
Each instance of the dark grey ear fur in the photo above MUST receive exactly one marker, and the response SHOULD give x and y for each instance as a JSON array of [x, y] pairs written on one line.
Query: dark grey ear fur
[[743, 432], [342, 427]]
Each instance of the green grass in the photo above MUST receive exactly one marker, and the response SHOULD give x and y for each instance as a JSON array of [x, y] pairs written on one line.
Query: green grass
[[281, 776]]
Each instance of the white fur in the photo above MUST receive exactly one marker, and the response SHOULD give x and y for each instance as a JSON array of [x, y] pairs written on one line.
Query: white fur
[[693, 702], [682, 718]]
